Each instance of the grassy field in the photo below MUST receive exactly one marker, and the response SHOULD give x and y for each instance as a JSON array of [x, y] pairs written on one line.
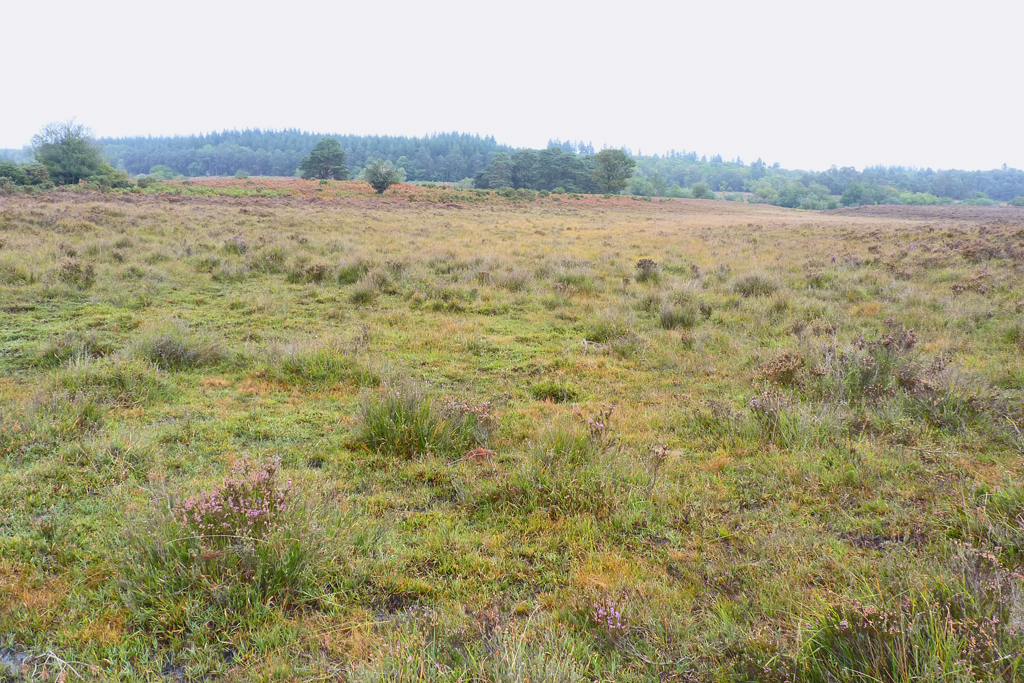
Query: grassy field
[[285, 430]]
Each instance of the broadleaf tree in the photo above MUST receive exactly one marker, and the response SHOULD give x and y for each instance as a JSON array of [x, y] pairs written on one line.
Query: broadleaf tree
[[69, 152], [613, 170], [381, 175]]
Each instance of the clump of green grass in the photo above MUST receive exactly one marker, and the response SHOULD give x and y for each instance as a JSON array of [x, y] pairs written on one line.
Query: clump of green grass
[[182, 587], [72, 346], [319, 365], [574, 467], [76, 273], [179, 348], [230, 273], [236, 244], [269, 260], [755, 284], [14, 273], [963, 625], [404, 423], [555, 391], [679, 316], [612, 323], [362, 296], [378, 280], [513, 280], [121, 383]]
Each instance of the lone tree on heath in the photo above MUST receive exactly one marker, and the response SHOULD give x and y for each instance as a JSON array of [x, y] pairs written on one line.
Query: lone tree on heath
[[614, 168], [381, 175], [69, 153], [327, 160]]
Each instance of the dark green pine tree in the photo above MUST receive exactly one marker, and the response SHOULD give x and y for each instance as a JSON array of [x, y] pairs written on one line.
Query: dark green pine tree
[[326, 161]]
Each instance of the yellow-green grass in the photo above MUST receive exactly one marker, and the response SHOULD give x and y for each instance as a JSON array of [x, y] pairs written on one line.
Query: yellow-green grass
[[792, 426]]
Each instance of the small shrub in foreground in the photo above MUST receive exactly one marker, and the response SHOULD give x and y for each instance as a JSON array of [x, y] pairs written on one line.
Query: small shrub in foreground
[[647, 271], [76, 273], [946, 633], [249, 502]]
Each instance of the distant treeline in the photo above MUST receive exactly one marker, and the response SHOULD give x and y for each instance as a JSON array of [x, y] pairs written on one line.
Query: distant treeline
[[558, 167], [676, 171], [453, 157], [440, 157]]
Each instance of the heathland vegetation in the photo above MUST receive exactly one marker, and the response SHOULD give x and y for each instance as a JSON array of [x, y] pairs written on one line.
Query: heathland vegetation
[[284, 429]]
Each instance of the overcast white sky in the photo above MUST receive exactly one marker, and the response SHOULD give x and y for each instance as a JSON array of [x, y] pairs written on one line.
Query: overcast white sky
[[808, 84]]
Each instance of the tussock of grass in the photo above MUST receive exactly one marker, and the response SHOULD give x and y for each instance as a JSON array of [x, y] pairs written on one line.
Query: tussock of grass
[[610, 324], [673, 317], [351, 270], [950, 628], [119, 383], [404, 423], [179, 589], [320, 365], [755, 284], [555, 391], [179, 348], [571, 470], [71, 347], [270, 260]]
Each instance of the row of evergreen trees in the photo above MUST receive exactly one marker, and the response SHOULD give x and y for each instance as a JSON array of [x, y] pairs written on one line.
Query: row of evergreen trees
[[439, 157]]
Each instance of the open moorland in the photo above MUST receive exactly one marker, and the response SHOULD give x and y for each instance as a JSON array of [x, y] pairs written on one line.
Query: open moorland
[[289, 430]]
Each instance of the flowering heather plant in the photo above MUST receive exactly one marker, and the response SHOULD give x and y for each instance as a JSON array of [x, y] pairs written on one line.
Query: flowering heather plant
[[608, 619], [249, 502], [598, 425]]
